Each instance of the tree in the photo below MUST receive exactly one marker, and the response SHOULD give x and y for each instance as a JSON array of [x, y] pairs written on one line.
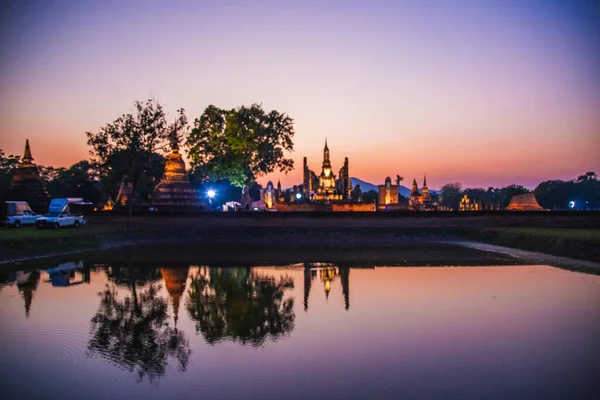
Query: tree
[[507, 193], [79, 180], [356, 194], [587, 177], [240, 305], [370, 196], [240, 144], [111, 175], [554, 194], [450, 195], [7, 165], [399, 179], [136, 136]]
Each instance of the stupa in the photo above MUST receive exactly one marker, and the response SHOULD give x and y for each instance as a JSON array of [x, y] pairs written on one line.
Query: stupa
[[524, 202], [175, 191], [27, 185], [175, 279]]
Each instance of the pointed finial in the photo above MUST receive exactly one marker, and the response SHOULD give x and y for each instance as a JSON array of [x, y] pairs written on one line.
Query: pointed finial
[[425, 180], [326, 148], [174, 143], [27, 158]]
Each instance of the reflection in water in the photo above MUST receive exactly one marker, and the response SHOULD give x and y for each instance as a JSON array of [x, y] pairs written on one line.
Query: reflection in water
[[412, 324], [327, 274], [240, 304], [66, 274], [133, 331], [27, 283]]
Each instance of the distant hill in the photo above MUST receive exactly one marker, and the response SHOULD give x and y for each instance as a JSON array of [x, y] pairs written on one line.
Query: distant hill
[[366, 186]]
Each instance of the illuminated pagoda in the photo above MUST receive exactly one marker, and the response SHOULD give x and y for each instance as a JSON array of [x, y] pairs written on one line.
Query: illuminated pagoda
[[420, 201], [326, 187], [27, 185], [175, 191]]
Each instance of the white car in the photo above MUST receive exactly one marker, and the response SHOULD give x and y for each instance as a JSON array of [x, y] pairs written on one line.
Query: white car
[[60, 215], [19, 214]]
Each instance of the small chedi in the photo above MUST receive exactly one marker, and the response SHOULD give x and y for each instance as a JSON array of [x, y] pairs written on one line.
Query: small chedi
[[420, 201], [175, 191], [27, 185], [524, 202]]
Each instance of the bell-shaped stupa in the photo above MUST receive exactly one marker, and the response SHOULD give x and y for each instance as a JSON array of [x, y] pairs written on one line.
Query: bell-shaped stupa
[[175, 191], [27, 185], [524, 202]]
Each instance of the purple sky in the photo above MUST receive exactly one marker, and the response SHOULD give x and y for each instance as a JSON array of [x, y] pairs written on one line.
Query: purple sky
[[479, 92]]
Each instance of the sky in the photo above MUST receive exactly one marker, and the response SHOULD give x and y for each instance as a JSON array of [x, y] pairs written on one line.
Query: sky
[[482, 92]]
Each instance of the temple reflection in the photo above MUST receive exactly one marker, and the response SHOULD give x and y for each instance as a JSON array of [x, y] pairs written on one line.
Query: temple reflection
[[175, 280], [327, 273]]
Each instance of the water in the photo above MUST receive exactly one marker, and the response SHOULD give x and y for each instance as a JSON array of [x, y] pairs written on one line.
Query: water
[[299, 331]]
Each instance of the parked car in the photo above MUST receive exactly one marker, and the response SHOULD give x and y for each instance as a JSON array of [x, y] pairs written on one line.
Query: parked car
[[62, 212], [18, 213]]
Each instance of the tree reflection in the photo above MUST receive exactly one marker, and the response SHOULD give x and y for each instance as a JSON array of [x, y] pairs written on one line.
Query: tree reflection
[[133, 332], [27, 283], [240, 305]]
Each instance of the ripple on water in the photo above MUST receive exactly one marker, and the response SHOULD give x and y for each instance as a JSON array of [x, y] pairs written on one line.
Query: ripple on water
[[66, 344]]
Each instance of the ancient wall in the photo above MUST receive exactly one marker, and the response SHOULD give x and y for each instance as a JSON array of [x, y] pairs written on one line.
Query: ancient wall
[[354, 207], [302, 207]]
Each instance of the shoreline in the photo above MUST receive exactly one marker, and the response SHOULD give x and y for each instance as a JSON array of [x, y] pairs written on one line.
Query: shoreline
[[264, 234]]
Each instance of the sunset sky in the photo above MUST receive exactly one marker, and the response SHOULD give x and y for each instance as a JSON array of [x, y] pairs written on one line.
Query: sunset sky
[[479, 92]]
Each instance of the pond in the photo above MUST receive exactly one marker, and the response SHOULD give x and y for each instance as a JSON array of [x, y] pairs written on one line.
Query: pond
[[81, 329]]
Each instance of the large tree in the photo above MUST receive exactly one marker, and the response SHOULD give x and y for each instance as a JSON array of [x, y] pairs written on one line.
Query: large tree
[[450, 195], [241, 144], [137, 135]]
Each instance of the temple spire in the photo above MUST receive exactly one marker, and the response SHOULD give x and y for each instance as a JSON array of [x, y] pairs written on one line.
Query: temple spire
[[174, 143], [425, 181], [27, 158]]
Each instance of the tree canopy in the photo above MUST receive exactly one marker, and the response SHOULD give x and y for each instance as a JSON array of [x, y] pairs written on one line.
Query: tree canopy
[[135, 136], [240, 144]]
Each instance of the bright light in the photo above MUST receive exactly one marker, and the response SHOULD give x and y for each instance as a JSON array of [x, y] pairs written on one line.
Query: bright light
[[298, 196], [211, 193], [571, 204]]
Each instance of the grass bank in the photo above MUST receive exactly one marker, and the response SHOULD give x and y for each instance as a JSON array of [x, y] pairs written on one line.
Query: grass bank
[[263, 234]]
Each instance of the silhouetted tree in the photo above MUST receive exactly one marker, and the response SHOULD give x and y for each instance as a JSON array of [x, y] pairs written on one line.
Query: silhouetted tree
[[240, 144], [7, 165], [137, 135], [508, 192], [240, 305], [79, 180], [450, 195], [133, 332], [370, 196]]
